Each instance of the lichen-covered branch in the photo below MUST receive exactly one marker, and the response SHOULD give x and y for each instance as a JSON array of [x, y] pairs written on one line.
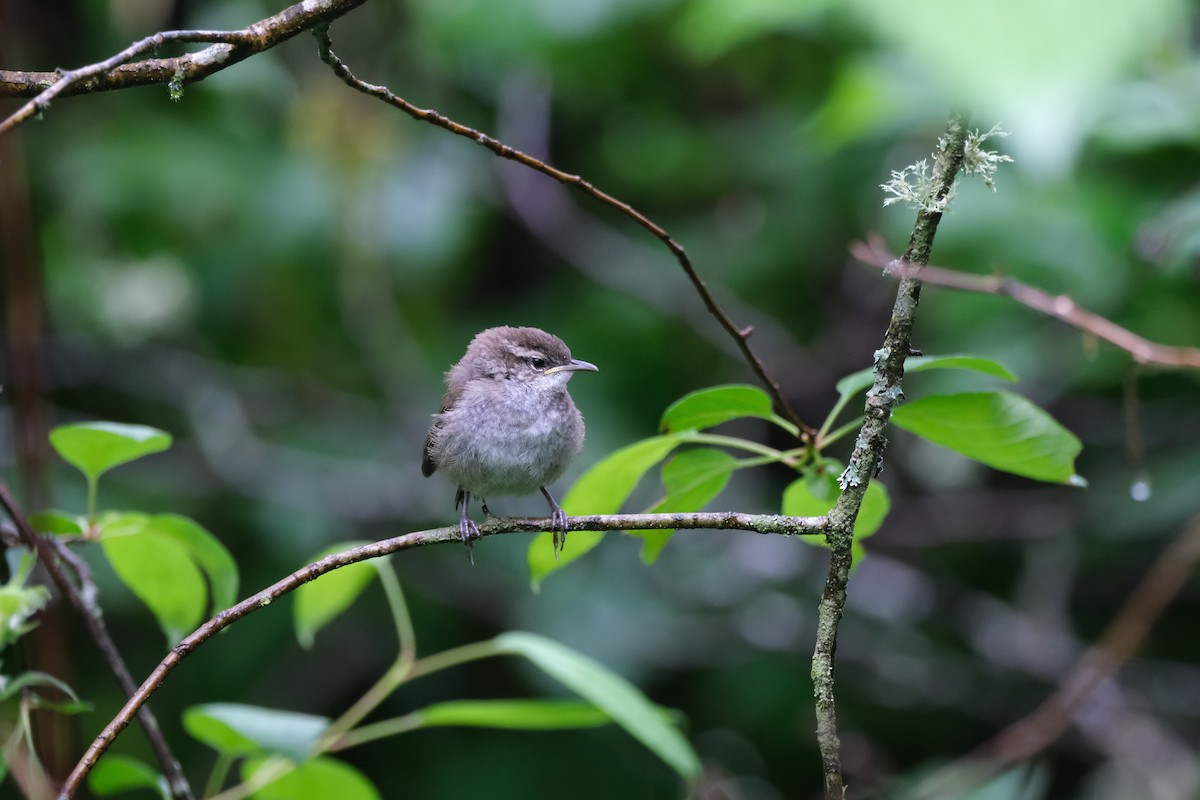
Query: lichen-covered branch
[[227, 48], [869, 448]]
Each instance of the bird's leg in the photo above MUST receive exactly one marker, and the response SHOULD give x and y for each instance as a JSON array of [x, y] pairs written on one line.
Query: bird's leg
[[466, 526], [483, 505], [558, 522]]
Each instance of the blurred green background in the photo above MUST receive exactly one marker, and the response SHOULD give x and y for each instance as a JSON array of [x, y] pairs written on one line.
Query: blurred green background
[[278, 270]]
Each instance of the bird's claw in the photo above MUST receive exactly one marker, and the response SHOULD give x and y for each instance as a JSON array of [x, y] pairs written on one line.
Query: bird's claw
[[469, 532], [558, 527]]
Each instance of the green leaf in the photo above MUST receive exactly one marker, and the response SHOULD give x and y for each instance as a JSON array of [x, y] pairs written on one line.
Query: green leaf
[[316, 779], [607, 690], [319, 601], [238, 730], [116, 773], [171, 563], [96, 447], [862, 379], [692, 479], [207, 551], [530, 715], [1000, 429], [18, 605], [813, 495], [9, 688], [603, 489], [707, 408], [54, 521], [987, 366], [158, 569]]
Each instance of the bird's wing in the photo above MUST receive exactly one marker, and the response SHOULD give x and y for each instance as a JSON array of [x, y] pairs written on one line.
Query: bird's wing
[[428, 465]]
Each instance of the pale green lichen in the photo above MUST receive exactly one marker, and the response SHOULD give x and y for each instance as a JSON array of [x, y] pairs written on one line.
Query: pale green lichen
[[175, 86], [916, 186]]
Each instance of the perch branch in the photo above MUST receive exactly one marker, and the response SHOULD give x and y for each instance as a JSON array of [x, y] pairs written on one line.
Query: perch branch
[[740, 335], [228, 48], [867, 459], [84, 601], [1060, 307], [758, 523]]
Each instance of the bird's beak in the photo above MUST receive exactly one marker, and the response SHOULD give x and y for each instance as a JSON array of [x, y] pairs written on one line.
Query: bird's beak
[[575, 366]]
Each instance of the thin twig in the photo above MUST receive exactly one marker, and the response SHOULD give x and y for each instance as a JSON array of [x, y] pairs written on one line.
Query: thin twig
[[757, 523], [740, 335], [1059, 306], [83, 599], [867, 458], [114, 73], [1027, 737]]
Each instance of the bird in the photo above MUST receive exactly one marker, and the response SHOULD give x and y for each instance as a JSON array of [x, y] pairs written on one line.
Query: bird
[[507, 425]]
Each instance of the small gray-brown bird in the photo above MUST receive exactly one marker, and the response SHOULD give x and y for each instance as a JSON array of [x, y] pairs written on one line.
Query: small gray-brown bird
[[508, 425]]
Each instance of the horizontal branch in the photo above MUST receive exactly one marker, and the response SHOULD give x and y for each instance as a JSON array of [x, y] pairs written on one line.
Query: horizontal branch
[[757, 523], [1059, 306], [228, 48]]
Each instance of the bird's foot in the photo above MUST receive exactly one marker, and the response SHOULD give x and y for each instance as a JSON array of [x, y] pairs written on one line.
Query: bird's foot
[[558, 527], [469, 532], [467, 528], [483, 505]]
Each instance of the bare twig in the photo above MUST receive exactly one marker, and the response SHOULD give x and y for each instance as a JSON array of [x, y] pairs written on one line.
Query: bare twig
[[867, 458], [229, 48], [1060, 306], [83, 599], [740, 335], [1124, 635], [757, 523]]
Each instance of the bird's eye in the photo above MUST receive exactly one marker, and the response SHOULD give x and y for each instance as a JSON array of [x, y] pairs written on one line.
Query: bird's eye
[[538, 363]]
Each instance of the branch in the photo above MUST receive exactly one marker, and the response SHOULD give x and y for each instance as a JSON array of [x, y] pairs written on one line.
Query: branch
[[867, 459], [84, 601], [1027, 737], [1060, 306], [740, 336], [114, 73], [758, 523]]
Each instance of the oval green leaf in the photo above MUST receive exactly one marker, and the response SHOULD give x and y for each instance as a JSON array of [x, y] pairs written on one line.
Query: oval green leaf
[[159, 570], [525, 715], [96, 447], [319, 602], [692, 479], [116, 773], [57, 522], [1000, 429], [316, 779], [607, 690], [707, 408], [603, 489], [860, 380], [207, 551], [237, 730]]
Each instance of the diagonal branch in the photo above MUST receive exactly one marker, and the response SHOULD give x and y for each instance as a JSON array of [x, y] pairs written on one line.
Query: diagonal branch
[[84, 601], [867, 459], [757, 523], [1027, 737], [228, 48], [1060, 306], [740, 335]]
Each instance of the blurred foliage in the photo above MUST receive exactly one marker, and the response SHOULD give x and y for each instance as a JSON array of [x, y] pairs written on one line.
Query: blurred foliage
[[277, 270]]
